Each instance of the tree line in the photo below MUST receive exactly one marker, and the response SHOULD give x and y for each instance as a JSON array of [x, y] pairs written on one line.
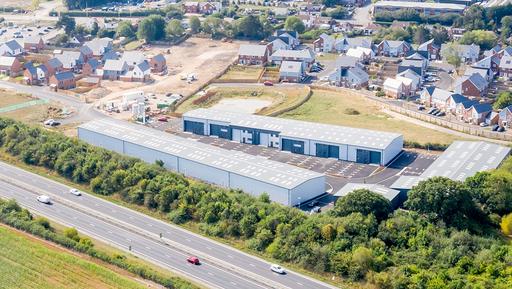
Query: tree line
[[447, 238]]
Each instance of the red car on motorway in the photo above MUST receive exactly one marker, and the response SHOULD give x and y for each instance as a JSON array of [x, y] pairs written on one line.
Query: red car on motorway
[[193, 260], [268, 83]]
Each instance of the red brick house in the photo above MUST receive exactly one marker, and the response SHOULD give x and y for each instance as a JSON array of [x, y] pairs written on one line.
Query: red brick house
[[191, 7], [53, 65], [158, 63], [33, 43], [91, 67], [473, 85], [431, 48], [10, 66], [63, 80], [251, 54], [505, 117]]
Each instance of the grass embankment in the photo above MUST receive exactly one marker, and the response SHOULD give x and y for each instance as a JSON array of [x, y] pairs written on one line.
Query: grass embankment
[[30, 115], [27, 262], [281, 97], [352, 109]]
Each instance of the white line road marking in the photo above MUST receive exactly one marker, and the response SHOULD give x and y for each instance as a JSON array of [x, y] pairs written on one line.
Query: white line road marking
[[252, 265], [187, 239], [210, 273], [233, 283], [230, 256], [208, 247], [148, 248], [92, 225], [300, 284], [110, 232]]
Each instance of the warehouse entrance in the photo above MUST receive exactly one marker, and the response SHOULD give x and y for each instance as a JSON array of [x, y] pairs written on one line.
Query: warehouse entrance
[[368, 157], [194, 127], [327, 151], [221, 131], [294, 146]]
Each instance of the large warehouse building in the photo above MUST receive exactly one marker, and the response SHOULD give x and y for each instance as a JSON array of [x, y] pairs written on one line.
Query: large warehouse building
[[315, 139], [285, 184], [461, 160]]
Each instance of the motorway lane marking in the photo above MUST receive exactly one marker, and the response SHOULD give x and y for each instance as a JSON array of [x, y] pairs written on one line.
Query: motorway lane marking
[[300, 284], [92, 225], [233, 283], [110, 232], [211, 274], [252, 265], [230, 256], [150, 225], [187, 239], [208, 247]]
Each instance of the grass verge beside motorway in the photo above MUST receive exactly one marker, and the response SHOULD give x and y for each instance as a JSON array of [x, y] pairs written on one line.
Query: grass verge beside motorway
[[352, 109], [28, 262]]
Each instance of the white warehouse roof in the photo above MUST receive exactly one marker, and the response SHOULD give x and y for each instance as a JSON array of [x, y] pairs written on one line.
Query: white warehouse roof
[[461, 160], [258, 168], [387, 193], [301, 129]]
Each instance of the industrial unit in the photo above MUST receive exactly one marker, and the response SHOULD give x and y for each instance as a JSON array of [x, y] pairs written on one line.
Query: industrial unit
[[394, 196], [315, 139], [285, 184], [461, 160]]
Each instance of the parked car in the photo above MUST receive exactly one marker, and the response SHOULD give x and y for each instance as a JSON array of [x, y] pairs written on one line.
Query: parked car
[[276, 268], [75, 192], [421, 107], [495, 127], [193, 260], [431, 110], [162, 119], [501, 129], [484, 124], [44, 199], [315, 210], [268, 83]]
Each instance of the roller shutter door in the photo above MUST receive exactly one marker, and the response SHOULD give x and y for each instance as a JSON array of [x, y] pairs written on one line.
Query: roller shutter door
[[327, 151], [294, 146], [368, 157], [221, 131], [194, 127]]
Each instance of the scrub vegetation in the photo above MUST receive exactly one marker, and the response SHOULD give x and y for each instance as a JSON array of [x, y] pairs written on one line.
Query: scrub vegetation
[[337, 108], [448, 238]]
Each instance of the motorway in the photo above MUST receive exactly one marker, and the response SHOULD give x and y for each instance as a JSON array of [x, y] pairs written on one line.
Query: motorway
[[222, 266]]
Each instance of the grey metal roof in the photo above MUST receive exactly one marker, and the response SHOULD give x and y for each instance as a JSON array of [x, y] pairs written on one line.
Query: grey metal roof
[[252, 50], [304, 54], [406, 182], [114, 65], [346, 61], [158, 58], [463, 159], [254, 167], [427, 5], [387, 193], [7, 60], [133, 57], [291, 67], [359, 73], [301, 129], [475, 78]]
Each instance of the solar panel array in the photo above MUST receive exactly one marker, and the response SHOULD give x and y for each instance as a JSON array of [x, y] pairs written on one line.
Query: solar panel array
[[301, 129], [255, 167]]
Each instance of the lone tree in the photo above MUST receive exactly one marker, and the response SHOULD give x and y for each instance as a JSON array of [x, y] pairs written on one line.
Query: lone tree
[[294, 23], [363, 201]]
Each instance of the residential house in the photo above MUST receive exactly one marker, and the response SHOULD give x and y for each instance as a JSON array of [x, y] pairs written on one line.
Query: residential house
[[419, 55], [133, 58], [473, 85], [477, 113], [484, 72], [114, 69], [507, 51], [422, 8], [491, 63], [33, 43], [430, 48], [10, 66], [191, 7], [348, 61], [252, 54], [462, 107], [454, 101], [71, 60], [158, 63], [316, 21], [30, 74], [91, 67], [291, 71], [505, 67], [417, 66], [140, 73], [11, 48], [351, 77], [343, 27], [306, 56], [416, 79], [397, 87], [109, 55], [63, 80], [365, 55], [345, 43], [467, 53], [435, 97], [53, 65], [86, 52], [455, 33], [505, 117], [206, 8], [291, 38], [99, 46], [393, 48], [493, 51], [324, 43], [278, 44]]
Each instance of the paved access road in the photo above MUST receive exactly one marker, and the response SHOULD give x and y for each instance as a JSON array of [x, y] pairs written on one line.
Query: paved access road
[[223, 267]]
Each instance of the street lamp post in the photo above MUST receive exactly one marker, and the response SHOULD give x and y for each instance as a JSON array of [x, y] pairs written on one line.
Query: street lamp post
[[299, 198]]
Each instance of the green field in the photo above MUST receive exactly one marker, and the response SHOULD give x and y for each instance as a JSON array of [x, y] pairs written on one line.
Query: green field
[[26, 262], [238, 72], [352, 109]]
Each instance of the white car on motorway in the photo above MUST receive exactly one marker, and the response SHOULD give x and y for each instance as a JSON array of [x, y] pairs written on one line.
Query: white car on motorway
[[276, 268], [44, 199], [75, 192]]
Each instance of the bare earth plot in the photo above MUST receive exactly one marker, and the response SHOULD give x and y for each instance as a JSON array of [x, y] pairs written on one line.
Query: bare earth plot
[[204, 58], [27, 262], [351, 109], [253, 99], [30, 114]]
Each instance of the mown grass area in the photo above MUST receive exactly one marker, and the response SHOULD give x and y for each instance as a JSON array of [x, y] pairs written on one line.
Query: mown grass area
[[352, 109], [133, 45], [238, 72], [27, 262], [281, 97], [8, 98]]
